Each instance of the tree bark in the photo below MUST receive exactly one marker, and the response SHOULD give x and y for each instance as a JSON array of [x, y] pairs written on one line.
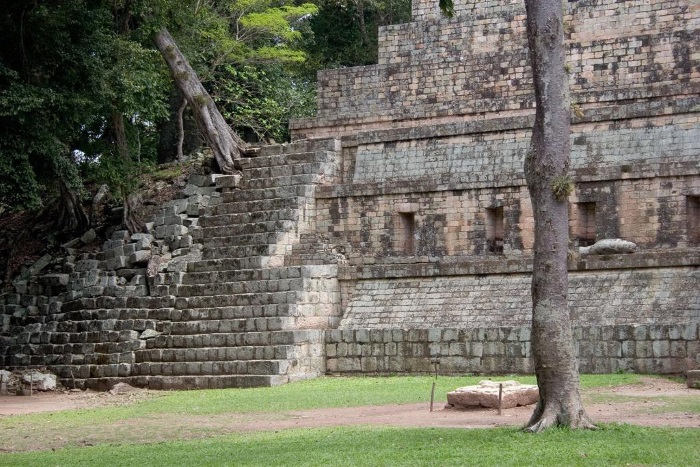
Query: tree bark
[[547, 166], [181, 130], [226, 145], [130, 201], [71, 216]]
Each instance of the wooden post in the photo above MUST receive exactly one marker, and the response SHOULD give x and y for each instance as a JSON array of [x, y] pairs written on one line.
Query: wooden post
[[500, 397]]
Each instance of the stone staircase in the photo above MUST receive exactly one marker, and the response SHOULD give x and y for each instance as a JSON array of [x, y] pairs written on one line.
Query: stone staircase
[[241, 318], [238, 313]]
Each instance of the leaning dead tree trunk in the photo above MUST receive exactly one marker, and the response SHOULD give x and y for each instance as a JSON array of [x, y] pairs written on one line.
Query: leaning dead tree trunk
[[226, 144], [546, 172]]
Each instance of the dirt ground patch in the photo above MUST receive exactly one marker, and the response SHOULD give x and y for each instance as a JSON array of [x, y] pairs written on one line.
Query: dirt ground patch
[[651, 403]]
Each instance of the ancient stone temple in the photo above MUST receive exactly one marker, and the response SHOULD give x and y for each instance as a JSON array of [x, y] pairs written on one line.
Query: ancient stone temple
[[395, 232]]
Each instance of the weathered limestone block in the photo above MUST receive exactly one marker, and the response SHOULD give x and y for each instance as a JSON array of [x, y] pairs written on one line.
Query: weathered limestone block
[[163, 231], [55, 280], [485, 394], [41, 381], [121, 235], [609, 246], [201, 180], [149, 334], [86, 265], [88, 237], [141, 256], [4, 381], [228, 181], [693, 377], [190, 190], [175, 207]]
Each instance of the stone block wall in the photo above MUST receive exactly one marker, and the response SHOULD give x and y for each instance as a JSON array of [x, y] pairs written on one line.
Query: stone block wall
[[441, 69], [483, 294], [652, 212], [641, 348]]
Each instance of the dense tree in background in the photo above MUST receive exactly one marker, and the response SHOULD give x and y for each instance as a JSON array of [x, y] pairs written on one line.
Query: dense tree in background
[[345, 31], [62, 76], [85, 95], [82, 88], [546, 173]]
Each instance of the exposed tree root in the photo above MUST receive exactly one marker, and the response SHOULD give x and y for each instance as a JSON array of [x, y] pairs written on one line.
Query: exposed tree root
[[541, 420]]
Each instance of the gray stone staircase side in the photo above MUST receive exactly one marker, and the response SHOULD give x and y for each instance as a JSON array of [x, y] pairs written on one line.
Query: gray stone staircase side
[[233, 316]]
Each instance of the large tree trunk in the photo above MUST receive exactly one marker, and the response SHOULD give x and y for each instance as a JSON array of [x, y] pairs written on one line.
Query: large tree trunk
[[71, 216], [226, 144], [546, 171], [130, 201]]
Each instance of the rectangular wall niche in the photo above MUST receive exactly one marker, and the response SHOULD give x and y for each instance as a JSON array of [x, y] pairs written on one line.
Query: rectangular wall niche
[[407, 233], [693, 215], [585, 224], [494, 229]]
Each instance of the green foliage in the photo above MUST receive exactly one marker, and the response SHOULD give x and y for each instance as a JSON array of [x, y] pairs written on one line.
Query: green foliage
[[260, 100], [345, 32], [167, 174], [73, 69], [562, 187], [447, 7]]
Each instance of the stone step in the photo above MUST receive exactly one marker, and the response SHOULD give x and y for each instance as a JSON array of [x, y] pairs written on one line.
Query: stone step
[[257, 324], [206, 277], [281, 214], [236, 312], [257, 318], [241, 287], [321, 165], [73, 329], [210, 354], [244, 251], [102, 302], [196, 368], [83, 323], [272, 156], [99, 341], [260, 298], [306, 191], [278, 182], [233, 275], [249, 228], [121, 314], [265, 238], [224, 264], [214, 326], [185, 382], [250, 207], [306, 145], [236, 339]]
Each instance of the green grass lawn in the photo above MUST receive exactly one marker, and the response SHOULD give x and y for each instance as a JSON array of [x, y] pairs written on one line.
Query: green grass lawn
[[611, 445]]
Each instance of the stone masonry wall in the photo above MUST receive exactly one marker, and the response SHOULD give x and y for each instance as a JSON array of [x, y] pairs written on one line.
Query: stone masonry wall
[[624, 49], [652, 212], [596, 297], [641, 348], [483, 152]]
